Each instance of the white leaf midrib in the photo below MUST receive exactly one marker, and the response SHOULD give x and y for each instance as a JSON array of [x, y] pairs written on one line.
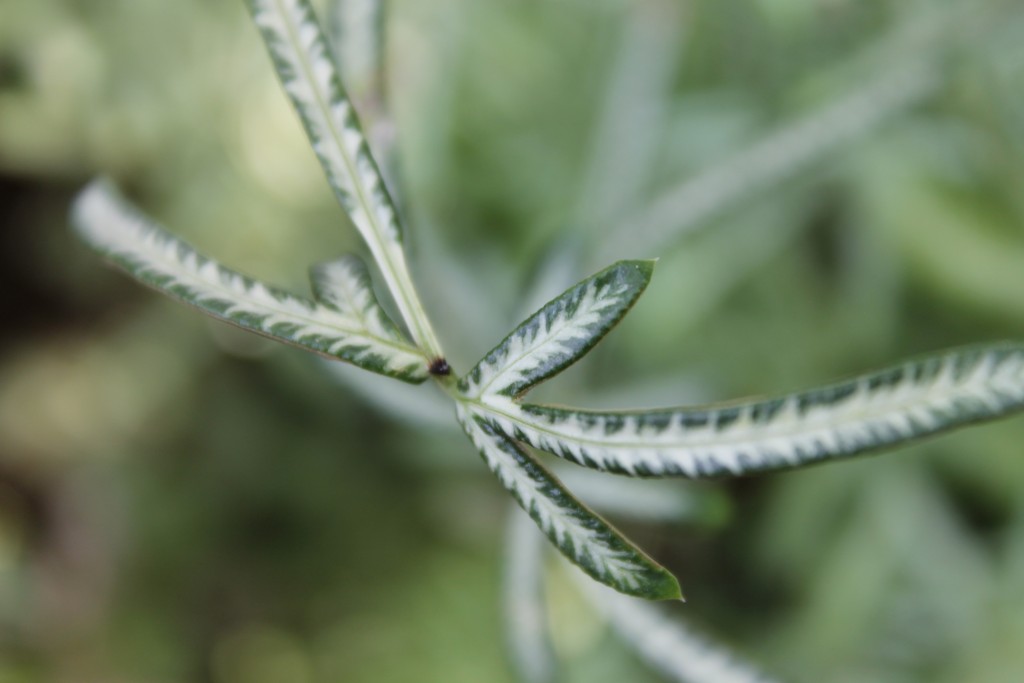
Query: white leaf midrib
[[148, 246], [610, 562], [318, 316], [599, 302], [374, 234], [348, 285], [978, 386]]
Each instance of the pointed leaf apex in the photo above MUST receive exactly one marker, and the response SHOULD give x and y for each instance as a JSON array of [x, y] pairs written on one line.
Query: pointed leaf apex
[[663, 586], [643, 269], [558, 334]]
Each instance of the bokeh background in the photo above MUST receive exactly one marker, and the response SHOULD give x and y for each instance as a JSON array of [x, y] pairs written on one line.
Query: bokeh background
[[181, 502]]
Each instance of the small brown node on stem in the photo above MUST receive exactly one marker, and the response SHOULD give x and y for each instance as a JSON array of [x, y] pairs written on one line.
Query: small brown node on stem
[[439, 367]]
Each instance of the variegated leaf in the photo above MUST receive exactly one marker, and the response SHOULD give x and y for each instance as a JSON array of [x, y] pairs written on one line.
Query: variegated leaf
[[307, 70], [344, 285], [559, 333], [902, 403], [349, 326], [580, 534]]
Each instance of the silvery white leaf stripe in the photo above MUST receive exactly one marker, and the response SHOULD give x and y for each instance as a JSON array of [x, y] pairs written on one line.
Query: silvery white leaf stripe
[[350, 326], [911, 401], [344, 285], [580, 534], [906, 402], [559, 333], [307, 71]]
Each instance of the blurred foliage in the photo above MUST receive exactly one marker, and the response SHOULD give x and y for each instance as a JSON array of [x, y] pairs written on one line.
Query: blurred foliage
[[179, 502]]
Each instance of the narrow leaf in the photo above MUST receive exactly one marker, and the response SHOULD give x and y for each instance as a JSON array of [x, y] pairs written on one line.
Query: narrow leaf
[[344, 285], [526, 625], [357, 31], [779, 156], [559, 333], [878, 410], [307, 71], [670, 646], [580, 534], [349, 326]]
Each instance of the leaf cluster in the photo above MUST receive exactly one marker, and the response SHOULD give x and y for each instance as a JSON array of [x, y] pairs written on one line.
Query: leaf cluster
[[343, 320]]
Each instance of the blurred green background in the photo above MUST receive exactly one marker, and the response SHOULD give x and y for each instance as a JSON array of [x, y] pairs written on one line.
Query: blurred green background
[[180, 502]]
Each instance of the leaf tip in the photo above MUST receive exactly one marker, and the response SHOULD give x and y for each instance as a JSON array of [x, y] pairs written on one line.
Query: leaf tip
[[666, 587], [660, 584], [647, 267], [95, 210], [637, 273]]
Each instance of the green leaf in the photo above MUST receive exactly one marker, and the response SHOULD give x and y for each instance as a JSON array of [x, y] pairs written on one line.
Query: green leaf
[[886, 408], [559, 333], [307, 71], [580, 534], [349, 325]]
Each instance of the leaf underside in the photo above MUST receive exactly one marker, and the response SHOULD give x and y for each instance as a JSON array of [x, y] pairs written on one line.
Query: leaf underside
[[580, 534], [910, 401], [348, 323]]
